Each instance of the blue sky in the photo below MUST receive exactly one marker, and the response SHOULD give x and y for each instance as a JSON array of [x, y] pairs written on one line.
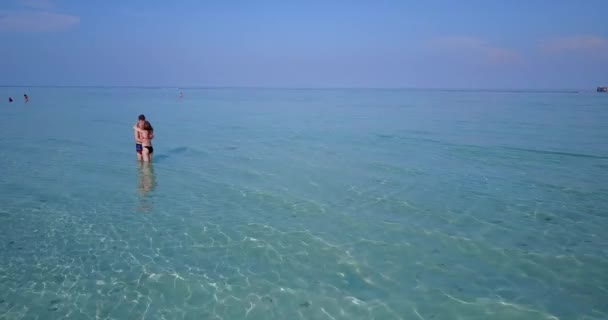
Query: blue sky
[[420, 44]]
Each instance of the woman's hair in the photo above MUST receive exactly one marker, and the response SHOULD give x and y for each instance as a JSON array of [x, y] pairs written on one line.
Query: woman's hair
[[148, 126]]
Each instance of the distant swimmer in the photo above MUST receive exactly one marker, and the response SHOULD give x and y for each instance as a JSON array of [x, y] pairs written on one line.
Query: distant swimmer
[[27, 99], [10, 100], [181, 94]]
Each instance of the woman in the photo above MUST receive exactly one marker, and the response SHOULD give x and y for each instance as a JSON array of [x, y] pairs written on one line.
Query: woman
[[146, 135]]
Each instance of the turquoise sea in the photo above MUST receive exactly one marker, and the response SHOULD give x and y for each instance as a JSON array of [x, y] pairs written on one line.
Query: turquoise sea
[[304, 204]]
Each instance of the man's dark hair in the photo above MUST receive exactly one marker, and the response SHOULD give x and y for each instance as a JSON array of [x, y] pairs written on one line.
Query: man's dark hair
[[141, 117]]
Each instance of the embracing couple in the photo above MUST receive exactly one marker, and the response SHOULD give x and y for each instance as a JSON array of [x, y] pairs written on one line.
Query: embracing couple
[[144, 133]]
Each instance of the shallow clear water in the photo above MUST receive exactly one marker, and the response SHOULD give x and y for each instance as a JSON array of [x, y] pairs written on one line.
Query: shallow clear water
[[304, 204]]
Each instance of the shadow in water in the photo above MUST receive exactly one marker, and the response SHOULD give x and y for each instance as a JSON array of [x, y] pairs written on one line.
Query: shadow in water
[[146, 183]]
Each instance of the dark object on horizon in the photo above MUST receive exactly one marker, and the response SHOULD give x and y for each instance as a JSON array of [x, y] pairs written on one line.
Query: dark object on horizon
[[10, 100], [27, 99], [602, 89]]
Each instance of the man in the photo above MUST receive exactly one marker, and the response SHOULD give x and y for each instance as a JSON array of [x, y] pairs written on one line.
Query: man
[[140, 124]]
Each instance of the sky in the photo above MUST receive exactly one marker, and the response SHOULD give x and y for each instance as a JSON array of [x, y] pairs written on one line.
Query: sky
[[490, 44]]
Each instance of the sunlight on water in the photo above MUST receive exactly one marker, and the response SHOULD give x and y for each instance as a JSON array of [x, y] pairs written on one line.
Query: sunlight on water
[[304, 204]]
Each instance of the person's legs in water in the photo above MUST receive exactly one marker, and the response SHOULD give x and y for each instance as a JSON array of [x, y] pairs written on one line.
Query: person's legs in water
[[150, 152], [145, 154], [139, 150]]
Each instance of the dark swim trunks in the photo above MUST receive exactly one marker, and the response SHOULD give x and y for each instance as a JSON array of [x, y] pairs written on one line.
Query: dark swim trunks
[[138, 148], [150, 149]]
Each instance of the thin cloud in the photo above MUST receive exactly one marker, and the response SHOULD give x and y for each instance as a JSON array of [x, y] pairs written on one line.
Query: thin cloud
[[584, 43], [36, 21], [474, 47], [37, 4]]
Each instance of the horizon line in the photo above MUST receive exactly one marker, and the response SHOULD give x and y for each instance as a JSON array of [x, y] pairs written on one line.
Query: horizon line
[[544, 90]]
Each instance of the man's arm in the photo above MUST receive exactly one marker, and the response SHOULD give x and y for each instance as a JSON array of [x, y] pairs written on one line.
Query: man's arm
[[136, 134]]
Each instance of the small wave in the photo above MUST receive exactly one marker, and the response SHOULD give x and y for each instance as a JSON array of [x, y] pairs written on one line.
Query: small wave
[[557, 153], [176, 151], [464, 145], [399, 136], [160, 157], [412, 138]]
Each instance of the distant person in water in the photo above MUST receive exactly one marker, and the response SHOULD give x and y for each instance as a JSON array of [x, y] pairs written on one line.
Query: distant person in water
[[146, 134], [26, 98], [181, 94], [10, 100]]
